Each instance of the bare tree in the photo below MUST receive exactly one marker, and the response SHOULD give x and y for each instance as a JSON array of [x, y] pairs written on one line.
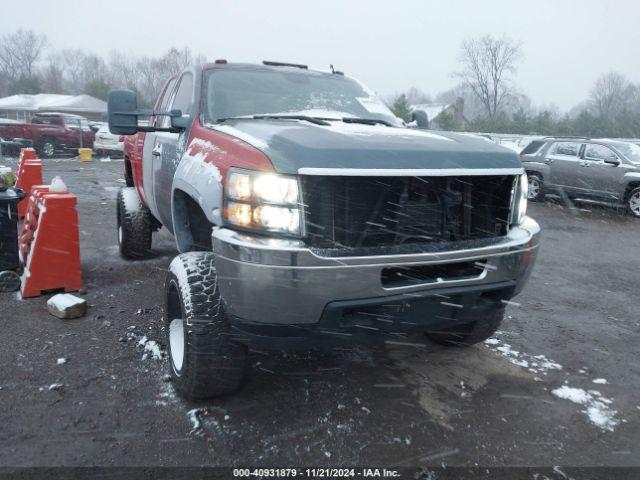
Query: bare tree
[[19, 53], [611, 94], [52, 77], [416, 96], [487, 63]]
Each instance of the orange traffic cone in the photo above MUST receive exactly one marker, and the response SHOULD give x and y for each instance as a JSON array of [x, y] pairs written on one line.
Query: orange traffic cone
[[49, 243], [29, 174], [26, 154]]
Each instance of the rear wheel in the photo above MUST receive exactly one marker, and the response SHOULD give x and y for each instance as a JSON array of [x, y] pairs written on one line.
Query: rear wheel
[[135, 225], [470, 333], [536, 193], [48, 148], [633, 202], [205, 362]]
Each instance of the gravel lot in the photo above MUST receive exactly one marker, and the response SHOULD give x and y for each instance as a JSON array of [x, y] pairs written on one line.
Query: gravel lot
[[577, 321]]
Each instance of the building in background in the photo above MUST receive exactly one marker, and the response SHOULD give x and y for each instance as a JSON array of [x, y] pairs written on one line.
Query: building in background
[[22, 107], [441, 116]]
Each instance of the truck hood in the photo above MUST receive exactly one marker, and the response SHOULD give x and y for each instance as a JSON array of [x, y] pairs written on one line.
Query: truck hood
[[295, 146]]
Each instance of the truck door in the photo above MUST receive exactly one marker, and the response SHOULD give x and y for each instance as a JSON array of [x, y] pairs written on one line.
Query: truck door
[[601, 173], [166, 154], [149, 144], [563, 162]]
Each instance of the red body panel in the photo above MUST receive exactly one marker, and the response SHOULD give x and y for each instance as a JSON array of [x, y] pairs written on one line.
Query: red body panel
[[9, 131], [229, 151], [133, 154]]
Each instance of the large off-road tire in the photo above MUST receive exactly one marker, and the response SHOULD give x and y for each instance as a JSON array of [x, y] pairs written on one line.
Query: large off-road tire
[[135, 225], [47, 148], [204, 359], [470, 333], [536, 188], [633, 202]]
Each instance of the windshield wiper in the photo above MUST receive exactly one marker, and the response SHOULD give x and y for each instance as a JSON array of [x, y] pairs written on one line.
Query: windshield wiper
[[315, 120], [366, 121]]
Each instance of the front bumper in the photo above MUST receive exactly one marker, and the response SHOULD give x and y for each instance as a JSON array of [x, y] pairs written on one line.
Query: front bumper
[[268, 282], [108, 146]]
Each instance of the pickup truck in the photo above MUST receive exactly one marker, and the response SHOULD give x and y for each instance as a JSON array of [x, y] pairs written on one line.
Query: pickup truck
[[306, 213], [51, 132]]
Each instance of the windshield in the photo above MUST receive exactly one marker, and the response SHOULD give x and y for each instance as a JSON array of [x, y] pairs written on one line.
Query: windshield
[[630, 150], [237, 93]]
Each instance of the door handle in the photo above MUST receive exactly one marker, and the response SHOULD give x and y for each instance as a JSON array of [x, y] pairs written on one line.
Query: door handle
[[157, 151], [548, 160]]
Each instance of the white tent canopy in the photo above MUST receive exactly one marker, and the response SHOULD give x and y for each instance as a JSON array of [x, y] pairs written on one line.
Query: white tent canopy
[[53, 102]]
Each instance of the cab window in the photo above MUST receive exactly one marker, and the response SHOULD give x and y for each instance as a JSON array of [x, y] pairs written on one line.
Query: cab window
[[184, 95], [163, 121]]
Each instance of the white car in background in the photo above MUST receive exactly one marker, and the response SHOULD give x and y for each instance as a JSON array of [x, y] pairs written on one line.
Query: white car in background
[[106, 143]]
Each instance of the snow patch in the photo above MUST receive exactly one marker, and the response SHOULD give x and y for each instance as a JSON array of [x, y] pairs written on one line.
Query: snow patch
[[378, 130], [600, 381], [195, 419], [538, 364], [61, 361], [130, 200], [154, 349], [596, 406], [151, 347], [194, 165], [245, 137]]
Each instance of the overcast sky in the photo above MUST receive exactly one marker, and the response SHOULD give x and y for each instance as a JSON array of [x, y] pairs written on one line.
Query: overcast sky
[[389, 45]]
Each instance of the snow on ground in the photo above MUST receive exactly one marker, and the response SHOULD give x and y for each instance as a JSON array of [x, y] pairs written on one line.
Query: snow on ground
[[597, 407], [538, 364], [151, 347], [194, 418]]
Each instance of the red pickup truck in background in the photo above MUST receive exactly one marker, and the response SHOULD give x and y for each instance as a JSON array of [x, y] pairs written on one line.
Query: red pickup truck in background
[[51, 132]]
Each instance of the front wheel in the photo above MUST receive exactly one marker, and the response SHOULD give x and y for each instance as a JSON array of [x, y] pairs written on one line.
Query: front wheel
[[470, 333], [633, 202], [204, 359], [135, 225], [535, 188]]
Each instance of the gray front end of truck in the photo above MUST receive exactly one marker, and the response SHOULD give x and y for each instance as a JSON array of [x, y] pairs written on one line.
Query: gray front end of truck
[[385, 250]]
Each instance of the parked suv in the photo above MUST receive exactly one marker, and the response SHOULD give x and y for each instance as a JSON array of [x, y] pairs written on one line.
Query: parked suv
[[304, 211], [601, 170]]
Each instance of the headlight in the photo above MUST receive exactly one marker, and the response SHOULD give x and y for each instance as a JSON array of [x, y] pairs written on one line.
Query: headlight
[[262, 202], [520, 197]]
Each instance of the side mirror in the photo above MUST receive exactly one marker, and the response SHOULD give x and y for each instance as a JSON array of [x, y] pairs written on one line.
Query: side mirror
[[615, 161], [122, 107], [421, 119]]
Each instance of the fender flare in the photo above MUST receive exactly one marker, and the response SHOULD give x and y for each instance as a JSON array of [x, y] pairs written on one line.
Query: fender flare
[[202, 182], [537, 167], [631, 177]]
